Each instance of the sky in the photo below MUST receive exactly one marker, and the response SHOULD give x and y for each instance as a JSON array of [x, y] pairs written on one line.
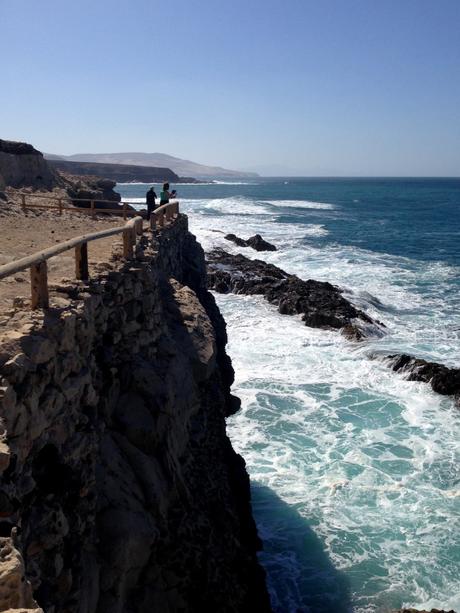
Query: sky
[[299, 87]]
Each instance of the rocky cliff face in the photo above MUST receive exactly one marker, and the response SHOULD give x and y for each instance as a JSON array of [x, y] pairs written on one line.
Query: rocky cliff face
[[119, 173], [23, 166], [120, 491]]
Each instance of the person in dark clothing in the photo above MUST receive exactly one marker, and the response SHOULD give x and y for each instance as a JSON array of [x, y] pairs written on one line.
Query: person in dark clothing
[[150, 198]]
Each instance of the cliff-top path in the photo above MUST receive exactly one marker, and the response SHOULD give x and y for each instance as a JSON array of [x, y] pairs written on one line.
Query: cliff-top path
[[24, 234]]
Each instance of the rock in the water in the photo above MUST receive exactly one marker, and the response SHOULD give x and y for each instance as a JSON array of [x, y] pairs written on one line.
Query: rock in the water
[[442, 379], [256, 242], [320, 304], [424, 611], [235, 239]]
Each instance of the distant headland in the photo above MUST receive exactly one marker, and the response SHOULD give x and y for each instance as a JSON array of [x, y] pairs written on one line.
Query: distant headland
[[182, 168]]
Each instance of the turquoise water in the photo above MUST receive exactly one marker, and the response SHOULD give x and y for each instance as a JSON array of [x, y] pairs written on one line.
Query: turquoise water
[[355, 477]]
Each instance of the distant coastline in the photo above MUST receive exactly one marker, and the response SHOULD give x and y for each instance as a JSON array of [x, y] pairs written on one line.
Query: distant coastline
[[182, 168]]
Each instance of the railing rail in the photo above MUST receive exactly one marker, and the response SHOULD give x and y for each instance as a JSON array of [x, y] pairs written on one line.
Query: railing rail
[[37, 262], [60, 206], [167, 210]]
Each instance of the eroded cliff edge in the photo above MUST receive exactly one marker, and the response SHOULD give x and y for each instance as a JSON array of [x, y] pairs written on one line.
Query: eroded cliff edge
[[120, 488]]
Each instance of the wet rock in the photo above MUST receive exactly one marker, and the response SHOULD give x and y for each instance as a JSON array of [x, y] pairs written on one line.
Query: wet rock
[[424, 611], [320, 303], [256, 242], [443, 380], [259, 244]]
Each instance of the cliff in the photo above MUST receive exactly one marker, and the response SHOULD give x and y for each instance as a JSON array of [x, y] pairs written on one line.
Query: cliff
[[23, 166], [121, 173], [120, 490]]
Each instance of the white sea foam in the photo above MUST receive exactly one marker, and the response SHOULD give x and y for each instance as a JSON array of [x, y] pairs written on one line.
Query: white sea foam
[[227, 206], [356, 459], [216, 182], [135, 200], [352, 448], [387, 287], [301, 204]]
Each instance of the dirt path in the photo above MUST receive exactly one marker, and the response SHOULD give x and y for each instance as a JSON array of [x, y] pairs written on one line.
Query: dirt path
[[23, 234]]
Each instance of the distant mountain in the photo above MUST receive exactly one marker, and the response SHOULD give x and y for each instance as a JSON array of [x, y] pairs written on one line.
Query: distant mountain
[[184, 168]]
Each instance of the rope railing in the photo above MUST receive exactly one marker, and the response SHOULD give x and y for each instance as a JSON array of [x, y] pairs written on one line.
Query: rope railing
[[37, 262]]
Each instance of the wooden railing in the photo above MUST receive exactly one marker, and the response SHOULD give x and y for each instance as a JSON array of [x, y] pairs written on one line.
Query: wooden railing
[[37, 262], [61, 205], [163, 214]]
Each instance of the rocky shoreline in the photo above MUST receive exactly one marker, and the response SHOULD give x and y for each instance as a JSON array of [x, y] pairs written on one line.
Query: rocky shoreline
[[320, 304]]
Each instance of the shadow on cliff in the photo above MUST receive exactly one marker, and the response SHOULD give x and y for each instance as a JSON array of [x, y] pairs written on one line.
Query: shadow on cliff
[[301, 577]]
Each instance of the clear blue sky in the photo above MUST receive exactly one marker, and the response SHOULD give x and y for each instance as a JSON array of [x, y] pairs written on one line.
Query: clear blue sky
[[314, 87]]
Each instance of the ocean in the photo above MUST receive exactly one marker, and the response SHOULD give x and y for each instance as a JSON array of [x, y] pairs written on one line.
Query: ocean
[[354, 470]]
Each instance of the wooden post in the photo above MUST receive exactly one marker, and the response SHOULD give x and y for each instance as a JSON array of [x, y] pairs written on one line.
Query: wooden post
[[125, 206], [60, 206], [93, 212], [81, 262], [23, 202], [127, 243], [153, 220], [139, 229], [39, 283]]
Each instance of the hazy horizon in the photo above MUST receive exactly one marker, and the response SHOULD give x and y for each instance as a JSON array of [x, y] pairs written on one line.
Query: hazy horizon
[[301, 89]]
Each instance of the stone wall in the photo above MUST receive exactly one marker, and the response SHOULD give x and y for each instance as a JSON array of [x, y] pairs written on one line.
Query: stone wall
[[120, 490]]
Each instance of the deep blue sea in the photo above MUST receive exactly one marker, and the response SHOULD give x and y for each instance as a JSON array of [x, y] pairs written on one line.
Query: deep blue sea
[[355, 471]]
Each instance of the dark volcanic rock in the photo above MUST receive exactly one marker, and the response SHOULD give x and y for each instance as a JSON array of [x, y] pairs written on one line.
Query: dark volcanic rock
[[256, 242], [124, 486], [235, 239], [424, 611], [321, 304], [442, 379]]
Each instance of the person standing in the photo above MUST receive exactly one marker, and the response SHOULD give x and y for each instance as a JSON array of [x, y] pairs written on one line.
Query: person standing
[[150, 198], [164, 194]]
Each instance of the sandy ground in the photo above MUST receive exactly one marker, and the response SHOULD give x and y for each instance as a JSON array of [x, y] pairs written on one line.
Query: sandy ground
[[23, 234]]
